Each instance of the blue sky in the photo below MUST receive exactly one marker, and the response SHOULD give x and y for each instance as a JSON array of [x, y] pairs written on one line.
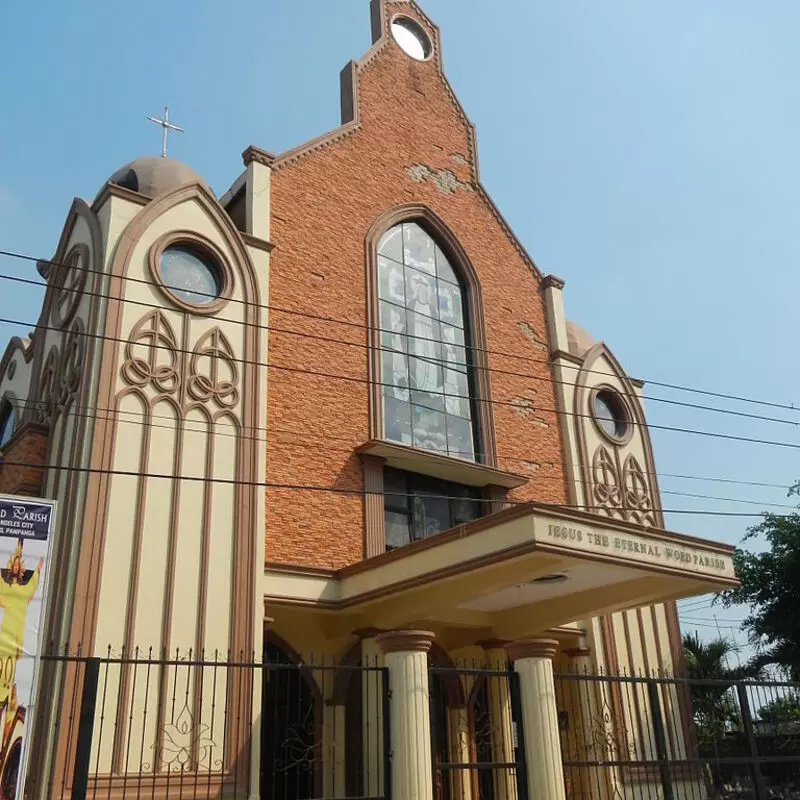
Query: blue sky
[[645, 152]]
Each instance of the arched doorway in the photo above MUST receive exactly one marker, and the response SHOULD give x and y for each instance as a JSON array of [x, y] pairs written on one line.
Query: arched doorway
[[291, 710]]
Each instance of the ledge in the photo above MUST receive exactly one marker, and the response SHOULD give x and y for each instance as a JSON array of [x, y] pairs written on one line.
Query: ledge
[[438, 465]]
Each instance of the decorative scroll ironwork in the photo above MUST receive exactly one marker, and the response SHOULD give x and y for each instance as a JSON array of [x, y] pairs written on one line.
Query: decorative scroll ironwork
[[185, 745]]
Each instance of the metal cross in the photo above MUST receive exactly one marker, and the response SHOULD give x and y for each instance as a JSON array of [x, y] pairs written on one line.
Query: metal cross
[[166, 125]]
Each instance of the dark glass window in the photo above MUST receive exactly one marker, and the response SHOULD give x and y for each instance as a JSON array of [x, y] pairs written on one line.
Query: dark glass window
[[416, 506], [425, 372], [7, 419], [610, 414]]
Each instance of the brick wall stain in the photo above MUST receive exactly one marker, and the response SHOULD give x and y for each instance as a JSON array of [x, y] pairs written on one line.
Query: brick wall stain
[[323, 205]]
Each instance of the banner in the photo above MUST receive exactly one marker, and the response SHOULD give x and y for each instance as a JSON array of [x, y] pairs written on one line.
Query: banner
[[26, 526]]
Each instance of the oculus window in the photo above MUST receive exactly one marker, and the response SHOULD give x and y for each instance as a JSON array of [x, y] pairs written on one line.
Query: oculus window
[[411, 38], [416, 506], [190, 276], [426, 377], [609, 413]]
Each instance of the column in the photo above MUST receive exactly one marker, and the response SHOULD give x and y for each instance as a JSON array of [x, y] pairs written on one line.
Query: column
[[505, 780], [533, 662], [406, 657]]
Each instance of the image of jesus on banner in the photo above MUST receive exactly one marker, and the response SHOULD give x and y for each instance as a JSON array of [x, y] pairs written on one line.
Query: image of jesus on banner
[[17, 587]]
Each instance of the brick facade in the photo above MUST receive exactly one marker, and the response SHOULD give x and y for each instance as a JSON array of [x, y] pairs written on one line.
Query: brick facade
[[413, 145], [23, 460]]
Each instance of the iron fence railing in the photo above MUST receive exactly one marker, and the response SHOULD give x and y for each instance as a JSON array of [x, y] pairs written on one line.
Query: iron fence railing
[[149, 727], [670, 738]]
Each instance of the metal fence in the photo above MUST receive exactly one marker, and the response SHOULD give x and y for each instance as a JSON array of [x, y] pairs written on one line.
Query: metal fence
[[672, 738], [477, 743], [148, 727]]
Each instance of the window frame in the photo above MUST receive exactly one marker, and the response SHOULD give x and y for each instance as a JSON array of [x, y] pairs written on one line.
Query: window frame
[[474, 328], [413, 481]]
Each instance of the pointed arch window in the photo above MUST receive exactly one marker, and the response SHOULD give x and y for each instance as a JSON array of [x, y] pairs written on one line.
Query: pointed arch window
[[8, 418], [427, 393]]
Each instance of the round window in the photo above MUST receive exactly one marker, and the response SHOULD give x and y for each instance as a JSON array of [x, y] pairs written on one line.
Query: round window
[[190, 275], [610, 414], [411, 38]]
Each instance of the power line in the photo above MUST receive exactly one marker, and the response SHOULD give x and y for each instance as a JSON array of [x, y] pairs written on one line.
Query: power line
[[364, 326], [352, 379], [344, 491], [189, 429], [453, 365], [110, 414]]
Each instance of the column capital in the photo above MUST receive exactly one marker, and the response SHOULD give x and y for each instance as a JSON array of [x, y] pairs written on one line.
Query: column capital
[[532, 648], [405, 641]]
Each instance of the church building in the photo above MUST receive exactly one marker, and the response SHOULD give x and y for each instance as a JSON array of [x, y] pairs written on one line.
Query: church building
[[335, 415]]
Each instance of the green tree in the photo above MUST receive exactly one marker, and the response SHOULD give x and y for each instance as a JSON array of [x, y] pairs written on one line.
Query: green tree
[[783, 710], [713, 706], [770, 587]]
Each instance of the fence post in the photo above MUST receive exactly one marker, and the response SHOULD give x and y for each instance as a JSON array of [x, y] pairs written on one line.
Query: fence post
[[387, 735], [83, 748], [747, 721], [518, 728], [662, 752]]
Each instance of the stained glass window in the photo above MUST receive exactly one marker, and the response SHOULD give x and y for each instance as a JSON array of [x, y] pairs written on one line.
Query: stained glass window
[[425, 371]]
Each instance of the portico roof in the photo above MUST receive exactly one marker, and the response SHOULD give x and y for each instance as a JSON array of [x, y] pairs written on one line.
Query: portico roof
[[513, 573]]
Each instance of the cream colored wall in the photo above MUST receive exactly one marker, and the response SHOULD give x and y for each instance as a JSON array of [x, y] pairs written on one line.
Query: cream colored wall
[[158, 528], [638, 641]]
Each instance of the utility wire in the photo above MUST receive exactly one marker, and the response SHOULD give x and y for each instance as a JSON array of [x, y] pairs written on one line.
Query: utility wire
[[352, 379], [456, 366], [202, 429], [363, 326], [108, 414], [344, 491]]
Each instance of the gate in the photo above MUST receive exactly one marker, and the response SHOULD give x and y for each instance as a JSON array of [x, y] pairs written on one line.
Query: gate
[[477, 745]]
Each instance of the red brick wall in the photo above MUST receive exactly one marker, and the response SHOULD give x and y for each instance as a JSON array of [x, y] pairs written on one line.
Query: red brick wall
[[323, 205], [22, 465]]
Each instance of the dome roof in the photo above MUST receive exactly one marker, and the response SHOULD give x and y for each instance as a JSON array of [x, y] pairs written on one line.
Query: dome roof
[[154, 175], [579, 341]]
